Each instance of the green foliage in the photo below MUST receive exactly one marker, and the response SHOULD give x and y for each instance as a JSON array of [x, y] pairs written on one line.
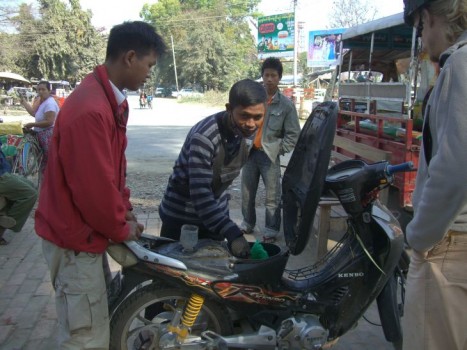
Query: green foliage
[[69, 46], [213, 46], [59, 44], [304, 69], [216, 98], [15, 47]]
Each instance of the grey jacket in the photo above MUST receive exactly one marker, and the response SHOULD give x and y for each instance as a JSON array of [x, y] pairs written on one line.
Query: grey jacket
[[281, 127], [440, 196]]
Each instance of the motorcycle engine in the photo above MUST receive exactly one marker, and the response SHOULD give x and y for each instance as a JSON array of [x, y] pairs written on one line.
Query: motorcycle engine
[[302, 332]]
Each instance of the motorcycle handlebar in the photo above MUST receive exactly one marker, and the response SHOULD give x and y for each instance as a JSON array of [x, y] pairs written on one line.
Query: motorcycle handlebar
[[398, 168]]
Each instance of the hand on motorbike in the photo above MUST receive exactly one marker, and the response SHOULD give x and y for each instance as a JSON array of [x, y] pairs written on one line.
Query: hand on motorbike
[[240, 247], [130, 216], [136, 229]]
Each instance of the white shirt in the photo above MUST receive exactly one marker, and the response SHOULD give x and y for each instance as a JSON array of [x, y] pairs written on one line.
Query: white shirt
[[49, 105], [119, 96]]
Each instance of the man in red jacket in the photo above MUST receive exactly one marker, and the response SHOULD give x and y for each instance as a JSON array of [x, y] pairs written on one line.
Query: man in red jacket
[[84, 202]]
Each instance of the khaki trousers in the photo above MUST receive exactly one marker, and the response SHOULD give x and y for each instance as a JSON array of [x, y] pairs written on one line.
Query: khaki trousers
[[80, 297], [435, 315]]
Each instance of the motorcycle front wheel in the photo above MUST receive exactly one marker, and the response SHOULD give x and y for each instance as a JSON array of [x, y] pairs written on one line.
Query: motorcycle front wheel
[[140, 320]]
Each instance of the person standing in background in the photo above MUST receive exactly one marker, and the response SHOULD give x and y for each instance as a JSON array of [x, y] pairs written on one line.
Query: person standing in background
[[45, 115], [276, 136], [435, 315], [84, 203]]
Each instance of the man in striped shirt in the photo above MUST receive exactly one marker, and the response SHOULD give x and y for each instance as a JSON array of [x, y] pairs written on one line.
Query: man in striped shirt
[[211, 158]]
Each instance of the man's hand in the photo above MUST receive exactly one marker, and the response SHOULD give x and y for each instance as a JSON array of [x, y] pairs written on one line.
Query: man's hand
[[240, 247], [136, 229], [130, 216]]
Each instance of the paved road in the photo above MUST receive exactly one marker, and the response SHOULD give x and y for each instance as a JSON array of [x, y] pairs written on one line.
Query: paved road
[[156, 135], [27, 310]]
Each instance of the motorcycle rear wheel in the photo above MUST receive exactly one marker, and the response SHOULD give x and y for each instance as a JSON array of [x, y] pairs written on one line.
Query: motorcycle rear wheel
[[129, 323]]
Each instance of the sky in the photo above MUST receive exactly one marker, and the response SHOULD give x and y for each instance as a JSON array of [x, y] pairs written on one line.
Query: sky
[[315, 13], [107, 13]]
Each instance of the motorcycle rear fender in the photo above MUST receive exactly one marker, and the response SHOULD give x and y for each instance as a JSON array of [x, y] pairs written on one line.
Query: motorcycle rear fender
[[123, 284]]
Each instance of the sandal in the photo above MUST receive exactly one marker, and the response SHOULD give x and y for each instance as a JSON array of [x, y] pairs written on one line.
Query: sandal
[[3, 241]]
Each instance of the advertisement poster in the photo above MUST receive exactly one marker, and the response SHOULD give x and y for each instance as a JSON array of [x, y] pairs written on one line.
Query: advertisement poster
[[276, 36], [323, 47]]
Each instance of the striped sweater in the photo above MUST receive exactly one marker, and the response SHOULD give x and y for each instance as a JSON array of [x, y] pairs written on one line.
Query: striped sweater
[[189, 196]]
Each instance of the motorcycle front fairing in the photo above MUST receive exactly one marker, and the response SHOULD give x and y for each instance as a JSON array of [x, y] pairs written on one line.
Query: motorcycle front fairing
[[304, 177], [353, 273]]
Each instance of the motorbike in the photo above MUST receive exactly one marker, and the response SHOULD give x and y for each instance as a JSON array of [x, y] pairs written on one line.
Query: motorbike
[[168, 297]]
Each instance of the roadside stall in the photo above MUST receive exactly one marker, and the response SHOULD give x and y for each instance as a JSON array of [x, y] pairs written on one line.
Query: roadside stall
[[9, 84], [376, 98]]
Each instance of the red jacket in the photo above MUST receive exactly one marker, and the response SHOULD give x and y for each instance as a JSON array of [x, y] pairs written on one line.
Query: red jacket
[[83, 198]]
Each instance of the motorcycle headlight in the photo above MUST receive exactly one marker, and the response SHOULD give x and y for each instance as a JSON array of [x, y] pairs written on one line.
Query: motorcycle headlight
[[121, 254]]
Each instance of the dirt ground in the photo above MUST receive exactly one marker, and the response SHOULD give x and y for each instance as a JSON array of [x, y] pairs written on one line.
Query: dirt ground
[[147, 190]]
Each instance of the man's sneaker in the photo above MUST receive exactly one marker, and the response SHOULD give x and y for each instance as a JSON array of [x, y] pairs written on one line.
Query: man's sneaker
[[246, 227], [7, 221]]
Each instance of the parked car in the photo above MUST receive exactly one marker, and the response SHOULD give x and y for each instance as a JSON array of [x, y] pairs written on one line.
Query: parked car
[[189, 92], [160, 92], [169, 92], [165, 92]]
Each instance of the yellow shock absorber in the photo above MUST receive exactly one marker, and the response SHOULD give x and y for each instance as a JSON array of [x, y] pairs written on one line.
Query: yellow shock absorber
[[192, 310]]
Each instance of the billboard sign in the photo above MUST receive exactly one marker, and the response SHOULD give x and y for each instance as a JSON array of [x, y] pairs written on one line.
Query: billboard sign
[[276, 36], [323, 47]]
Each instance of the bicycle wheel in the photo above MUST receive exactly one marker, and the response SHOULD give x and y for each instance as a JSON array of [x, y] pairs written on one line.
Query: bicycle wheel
[[28, 161]]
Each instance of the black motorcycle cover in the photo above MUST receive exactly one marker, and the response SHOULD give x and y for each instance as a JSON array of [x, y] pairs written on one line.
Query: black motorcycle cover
[[304, 176]]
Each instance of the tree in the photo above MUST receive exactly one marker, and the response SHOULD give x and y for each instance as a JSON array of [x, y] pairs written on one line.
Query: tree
[[213, 44], [59, 43], [349, 13], [304, 69], [13, 47]]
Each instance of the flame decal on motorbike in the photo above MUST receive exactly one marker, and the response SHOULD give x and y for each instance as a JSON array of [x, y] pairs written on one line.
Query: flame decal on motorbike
[[251, 294], [231, 291]]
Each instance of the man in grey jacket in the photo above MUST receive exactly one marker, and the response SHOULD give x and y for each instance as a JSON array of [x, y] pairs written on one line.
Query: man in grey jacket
[[436, 295], [276, 136]]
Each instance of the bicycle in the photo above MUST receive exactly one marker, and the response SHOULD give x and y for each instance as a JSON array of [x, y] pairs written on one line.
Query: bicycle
[[28, 159]]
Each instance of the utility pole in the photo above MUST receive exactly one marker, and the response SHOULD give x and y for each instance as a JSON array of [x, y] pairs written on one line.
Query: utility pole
[[175, 63], [295, 50]]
